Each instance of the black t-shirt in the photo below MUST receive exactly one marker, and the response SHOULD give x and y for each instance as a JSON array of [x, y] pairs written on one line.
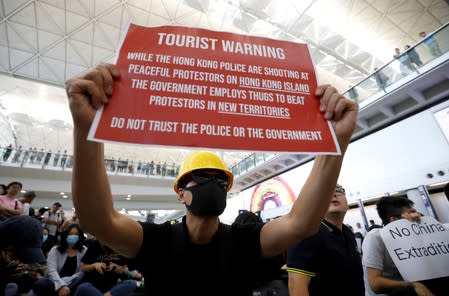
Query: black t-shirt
[[331, 259], [69, 267], [172, 265], [97, 253]]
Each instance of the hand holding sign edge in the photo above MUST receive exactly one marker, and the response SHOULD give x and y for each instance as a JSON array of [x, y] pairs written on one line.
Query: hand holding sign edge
[[342, 112], [88, 92]]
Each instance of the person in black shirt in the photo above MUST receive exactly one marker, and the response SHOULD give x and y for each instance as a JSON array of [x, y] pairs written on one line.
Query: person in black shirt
[[102, 269], [373, 225], [327, 263], [201, 255]]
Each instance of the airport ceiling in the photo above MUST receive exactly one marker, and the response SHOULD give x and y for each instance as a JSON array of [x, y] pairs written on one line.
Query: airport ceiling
[[48, 41]]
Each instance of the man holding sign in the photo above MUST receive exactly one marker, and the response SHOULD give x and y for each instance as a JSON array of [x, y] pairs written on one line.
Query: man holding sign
[[381, 274], [203, 256]]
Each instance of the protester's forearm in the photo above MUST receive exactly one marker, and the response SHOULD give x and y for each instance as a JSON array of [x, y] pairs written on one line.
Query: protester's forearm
[[313, 200], [90, 185], [383, 285], [87, 267], [308, 210]]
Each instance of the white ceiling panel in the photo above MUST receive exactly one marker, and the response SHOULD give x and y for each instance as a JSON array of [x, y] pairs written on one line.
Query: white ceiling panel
[[51, 18], [114, 17], [3, 35], [4, 59], [82, 49], [101, 6], [84, 34], [57, 51], [106, 36], [101, 54], [47, 39], [56, 3], [202, 6], [21, 37], [73, 70], [141, 4], [201, 20], [50, 69], [18, 57], [75, 21], [75, 57], [75, 6], [26, 16], [16, 5], [156, 20], [30, 69]]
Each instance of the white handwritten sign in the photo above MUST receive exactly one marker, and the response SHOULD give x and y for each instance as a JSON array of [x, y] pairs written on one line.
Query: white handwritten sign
[[419, 250]]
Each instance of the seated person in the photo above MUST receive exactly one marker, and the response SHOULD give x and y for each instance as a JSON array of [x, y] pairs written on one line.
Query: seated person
[[64, 261], [46, 243], [22, 262], [103, 269], [269, 277]]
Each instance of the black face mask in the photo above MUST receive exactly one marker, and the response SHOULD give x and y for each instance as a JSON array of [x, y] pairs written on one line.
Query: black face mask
[[208, 199]]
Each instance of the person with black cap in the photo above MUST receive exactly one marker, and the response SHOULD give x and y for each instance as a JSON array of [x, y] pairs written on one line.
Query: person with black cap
[[269, 278], [22, 262], [199, 256]]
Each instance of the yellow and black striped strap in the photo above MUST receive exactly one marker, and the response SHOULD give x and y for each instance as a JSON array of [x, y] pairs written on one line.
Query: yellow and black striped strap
[[301, 271]]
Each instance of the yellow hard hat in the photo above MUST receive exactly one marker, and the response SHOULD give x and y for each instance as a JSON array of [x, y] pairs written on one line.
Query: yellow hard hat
[[203, 160]]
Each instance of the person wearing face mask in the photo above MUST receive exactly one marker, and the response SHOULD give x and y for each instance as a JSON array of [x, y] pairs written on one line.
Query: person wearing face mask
[[64, 261], [201, 255], [47, 244]]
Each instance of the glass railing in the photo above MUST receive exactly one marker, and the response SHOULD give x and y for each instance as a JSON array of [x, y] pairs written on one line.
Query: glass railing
[[251, 162], [411, 62], [40, 159]]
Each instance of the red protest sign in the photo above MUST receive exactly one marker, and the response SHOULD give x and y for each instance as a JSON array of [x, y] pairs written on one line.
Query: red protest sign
[[198, 88]]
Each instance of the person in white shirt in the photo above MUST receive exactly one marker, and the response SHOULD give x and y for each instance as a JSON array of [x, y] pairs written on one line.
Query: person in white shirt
[[26, 201], [52, 219]]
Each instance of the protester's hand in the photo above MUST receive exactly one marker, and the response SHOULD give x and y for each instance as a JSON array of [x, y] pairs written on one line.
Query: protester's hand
[[64, 291], [116, 268], [138, 276], [100, 267], [421, 290], [342, 112], [22, 267], [89, 92]]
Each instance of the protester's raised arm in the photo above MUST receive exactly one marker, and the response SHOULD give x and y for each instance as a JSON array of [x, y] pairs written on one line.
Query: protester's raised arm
[[90, 186], [313, 201]]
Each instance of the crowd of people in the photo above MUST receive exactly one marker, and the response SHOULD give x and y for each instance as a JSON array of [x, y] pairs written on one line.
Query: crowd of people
[[409, 61], [21, 155], [33, 156], [45, 253], [42, 252]]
